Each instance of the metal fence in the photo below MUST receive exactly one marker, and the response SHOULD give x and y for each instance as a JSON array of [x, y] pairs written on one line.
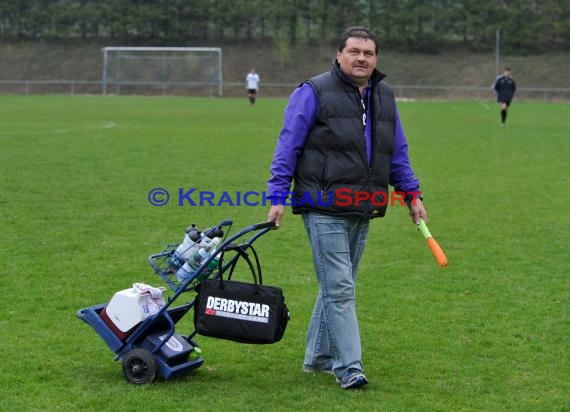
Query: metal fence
[[50, 87], [411, 92]]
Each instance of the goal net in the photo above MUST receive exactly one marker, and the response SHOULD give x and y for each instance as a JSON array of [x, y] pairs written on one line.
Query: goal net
[[164, 70]]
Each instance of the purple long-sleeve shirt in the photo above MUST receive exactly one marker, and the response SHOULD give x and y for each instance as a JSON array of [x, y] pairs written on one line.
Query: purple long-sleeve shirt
[[300, 115]]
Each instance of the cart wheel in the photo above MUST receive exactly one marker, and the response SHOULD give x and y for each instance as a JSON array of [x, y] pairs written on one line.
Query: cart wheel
[[139, 366]]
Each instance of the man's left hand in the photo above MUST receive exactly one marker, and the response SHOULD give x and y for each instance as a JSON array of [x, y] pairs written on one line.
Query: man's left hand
[[417, 211]]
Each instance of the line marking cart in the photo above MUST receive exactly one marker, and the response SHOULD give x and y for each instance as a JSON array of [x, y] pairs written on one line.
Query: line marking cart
[[153, 347]]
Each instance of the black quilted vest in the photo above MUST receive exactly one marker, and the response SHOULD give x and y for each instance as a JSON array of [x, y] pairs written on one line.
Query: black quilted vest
[[333, 175]]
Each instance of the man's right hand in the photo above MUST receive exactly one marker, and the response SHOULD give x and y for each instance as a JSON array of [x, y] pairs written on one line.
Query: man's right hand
[[275, 214]]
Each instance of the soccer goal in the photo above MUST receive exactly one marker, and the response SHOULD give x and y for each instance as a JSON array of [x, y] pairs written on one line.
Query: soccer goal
[[164, 70]]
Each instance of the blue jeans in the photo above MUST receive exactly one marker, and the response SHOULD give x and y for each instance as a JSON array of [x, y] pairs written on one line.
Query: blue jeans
[[333, 338]]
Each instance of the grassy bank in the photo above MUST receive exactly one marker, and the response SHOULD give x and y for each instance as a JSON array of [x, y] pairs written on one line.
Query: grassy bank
[[49, 61]]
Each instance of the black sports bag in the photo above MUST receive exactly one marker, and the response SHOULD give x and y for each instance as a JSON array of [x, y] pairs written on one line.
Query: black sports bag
[[239, 311]]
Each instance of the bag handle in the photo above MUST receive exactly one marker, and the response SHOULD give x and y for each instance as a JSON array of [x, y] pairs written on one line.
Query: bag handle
[[241, 251], [258, 265]]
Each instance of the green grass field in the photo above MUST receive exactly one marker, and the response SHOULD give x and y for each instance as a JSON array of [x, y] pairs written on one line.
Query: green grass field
[[488, 333]]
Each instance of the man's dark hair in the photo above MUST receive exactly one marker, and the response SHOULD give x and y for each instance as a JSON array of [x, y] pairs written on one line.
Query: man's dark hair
[[359, 32]]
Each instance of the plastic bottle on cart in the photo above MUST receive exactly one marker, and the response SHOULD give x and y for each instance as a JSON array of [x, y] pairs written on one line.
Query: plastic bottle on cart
[[186, 248], [204, 253], [200, 253]]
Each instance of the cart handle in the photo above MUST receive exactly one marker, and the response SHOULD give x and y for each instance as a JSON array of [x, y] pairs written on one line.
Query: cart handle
[[265, 225]]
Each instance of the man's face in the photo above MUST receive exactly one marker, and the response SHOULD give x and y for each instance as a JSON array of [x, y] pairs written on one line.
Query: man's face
[[358, 59]]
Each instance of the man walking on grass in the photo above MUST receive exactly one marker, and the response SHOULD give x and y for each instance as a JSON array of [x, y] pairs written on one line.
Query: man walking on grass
[[341, 135], [505, 88]]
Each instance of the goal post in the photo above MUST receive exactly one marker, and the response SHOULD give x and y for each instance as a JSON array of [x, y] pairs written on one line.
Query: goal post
[[168, 69]]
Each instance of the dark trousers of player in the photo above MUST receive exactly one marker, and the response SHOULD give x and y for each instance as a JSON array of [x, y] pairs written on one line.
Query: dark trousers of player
[[504, 112], [252, 94]]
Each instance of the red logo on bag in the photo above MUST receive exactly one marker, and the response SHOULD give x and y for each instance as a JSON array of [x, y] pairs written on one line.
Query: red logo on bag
[[210, 311]]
